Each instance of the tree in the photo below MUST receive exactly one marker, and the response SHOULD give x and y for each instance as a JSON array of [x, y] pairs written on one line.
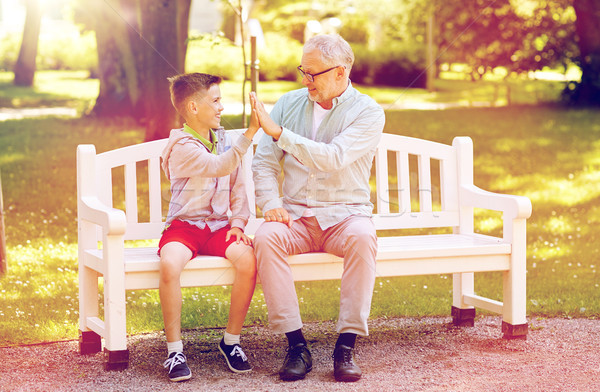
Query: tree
[[486, 34], [163, 53], [587, 92], [140, 44], [25, 66]]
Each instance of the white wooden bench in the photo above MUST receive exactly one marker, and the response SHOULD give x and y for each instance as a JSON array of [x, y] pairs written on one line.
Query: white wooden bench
[[444, 200]]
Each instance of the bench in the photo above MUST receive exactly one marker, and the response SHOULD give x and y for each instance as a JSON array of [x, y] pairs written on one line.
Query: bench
[[418, 184]]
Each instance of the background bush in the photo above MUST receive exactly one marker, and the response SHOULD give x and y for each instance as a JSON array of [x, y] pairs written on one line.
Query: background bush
[[215, 55], [279, 58], [69, 52], [391, 64]]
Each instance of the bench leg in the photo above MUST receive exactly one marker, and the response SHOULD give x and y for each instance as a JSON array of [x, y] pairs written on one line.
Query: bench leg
[[463, 317], [514, 331], [115, 329], [116, 360], [514, 309], [89, 342]]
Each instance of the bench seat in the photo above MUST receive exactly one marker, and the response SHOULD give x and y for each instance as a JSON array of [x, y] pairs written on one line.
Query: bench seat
[[396, 256]]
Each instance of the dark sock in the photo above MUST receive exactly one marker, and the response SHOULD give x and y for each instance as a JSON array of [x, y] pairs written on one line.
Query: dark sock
[[295, 337], [347, 339]]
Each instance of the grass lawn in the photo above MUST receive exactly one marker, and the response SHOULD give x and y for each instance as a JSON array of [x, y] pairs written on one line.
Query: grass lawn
[[548, 153]]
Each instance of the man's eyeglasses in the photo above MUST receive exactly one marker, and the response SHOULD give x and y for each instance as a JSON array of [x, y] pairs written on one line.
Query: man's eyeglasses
[[311, 77]]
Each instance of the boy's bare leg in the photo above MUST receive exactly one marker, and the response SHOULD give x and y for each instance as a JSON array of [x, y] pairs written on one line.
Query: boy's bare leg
[[173, 258], [244, 262]]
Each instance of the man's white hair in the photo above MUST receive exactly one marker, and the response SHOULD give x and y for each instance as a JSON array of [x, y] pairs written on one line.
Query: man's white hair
[[333, 48]]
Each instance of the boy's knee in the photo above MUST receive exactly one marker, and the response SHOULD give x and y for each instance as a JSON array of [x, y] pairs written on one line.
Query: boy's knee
[[168, 270], [246, 263]]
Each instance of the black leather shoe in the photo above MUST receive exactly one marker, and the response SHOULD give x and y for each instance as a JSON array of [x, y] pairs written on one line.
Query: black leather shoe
[[344, 368], [297, 363]]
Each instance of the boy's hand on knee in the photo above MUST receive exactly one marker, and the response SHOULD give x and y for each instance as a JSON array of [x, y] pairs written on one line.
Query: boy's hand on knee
[[239, 236]]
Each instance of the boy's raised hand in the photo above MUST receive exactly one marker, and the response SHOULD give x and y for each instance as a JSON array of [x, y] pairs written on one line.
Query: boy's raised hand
[[254, 121]]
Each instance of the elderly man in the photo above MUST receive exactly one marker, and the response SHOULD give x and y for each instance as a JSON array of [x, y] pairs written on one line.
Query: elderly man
[[326, 134]]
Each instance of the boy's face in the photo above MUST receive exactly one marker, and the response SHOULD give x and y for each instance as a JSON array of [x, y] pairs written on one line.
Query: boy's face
[[206, 108]]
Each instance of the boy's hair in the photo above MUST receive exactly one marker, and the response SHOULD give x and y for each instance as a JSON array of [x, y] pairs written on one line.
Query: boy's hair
[[334, 50], [184, 86]]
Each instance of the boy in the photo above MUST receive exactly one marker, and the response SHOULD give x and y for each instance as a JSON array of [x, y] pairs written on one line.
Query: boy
[[203, 186]]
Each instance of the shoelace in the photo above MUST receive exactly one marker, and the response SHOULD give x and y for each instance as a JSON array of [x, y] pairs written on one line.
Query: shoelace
[[177, 359], [237, 350], [346, 356]]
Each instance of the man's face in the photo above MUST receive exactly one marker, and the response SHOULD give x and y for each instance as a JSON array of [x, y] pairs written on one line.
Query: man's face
[[208, 107], [325, 86]]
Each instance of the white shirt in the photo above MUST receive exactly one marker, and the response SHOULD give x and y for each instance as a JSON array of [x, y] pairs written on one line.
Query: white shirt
[[319, 114]]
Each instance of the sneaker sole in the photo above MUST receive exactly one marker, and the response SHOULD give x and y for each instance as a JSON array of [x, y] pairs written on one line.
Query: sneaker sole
[[229, 366], [181, 378]]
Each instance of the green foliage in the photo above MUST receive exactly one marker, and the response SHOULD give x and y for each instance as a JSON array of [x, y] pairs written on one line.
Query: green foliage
[[9, 51], [71, 52], [485, 35], [279, 59], [215, 55], [65, 52], [356, 29], [393, 64], [288, 18], [383, 55]]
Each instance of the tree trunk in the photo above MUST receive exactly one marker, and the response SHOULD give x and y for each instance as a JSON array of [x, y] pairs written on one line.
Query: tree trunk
[[587, 27], [140, 44], [162, 33], [183, 26], [25, 66], [117, 68]]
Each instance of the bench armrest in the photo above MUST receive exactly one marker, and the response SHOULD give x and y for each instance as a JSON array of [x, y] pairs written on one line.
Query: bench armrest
[[110, 219], [517, 207]]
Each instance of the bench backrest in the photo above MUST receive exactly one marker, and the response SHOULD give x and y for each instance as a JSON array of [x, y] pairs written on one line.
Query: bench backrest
[[415, 183]]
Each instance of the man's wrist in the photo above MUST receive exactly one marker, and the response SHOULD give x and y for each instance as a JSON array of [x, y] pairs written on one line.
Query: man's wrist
[[276, 135]]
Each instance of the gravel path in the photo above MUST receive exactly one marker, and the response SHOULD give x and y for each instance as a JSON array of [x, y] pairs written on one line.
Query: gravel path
[[403, 354]]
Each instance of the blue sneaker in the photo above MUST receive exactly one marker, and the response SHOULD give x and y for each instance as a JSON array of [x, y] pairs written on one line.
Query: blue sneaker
[[235, 357], [178, 368]]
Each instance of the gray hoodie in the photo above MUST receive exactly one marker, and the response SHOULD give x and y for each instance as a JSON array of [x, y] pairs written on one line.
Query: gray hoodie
[[204, 185]]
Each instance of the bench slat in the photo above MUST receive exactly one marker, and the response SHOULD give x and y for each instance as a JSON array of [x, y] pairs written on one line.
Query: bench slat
[[382, 182], [403, 182], [154, 190], [425, 191], [131, 204]]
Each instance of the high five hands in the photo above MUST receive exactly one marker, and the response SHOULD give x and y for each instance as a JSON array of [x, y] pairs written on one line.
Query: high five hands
[[264, 120]]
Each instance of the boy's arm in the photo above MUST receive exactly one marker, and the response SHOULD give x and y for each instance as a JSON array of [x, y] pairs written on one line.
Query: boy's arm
[[189, 160], [238, 202]]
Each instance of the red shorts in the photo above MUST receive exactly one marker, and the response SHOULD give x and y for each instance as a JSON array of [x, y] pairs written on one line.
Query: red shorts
[[199, 241]]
